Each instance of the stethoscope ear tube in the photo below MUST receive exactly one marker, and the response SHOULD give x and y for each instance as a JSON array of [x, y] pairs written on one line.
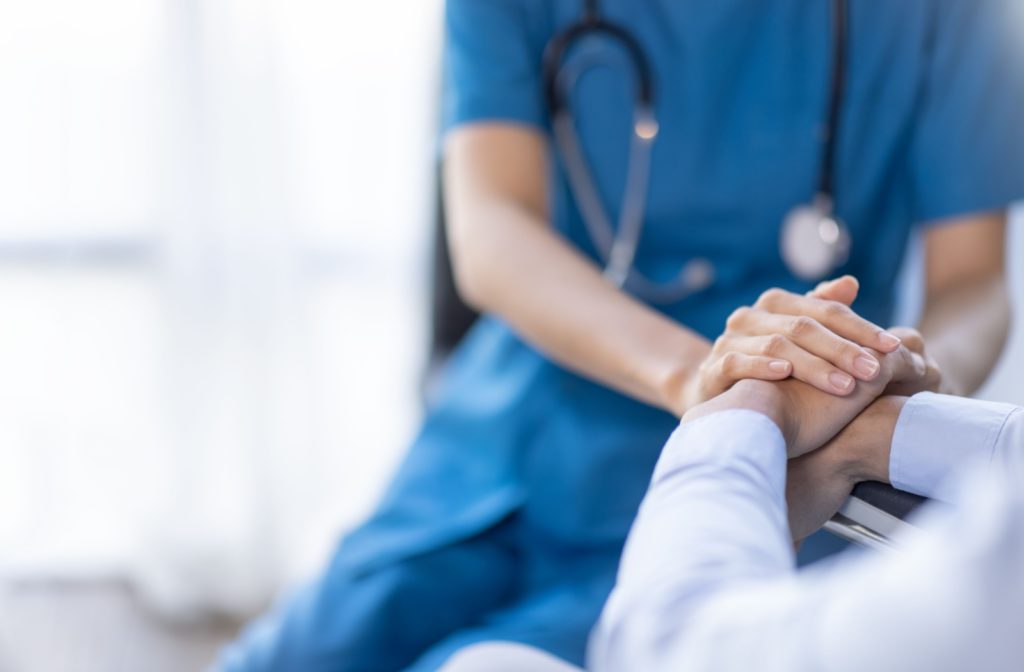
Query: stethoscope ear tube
[[557, 97], [616, 246], [813, 241]]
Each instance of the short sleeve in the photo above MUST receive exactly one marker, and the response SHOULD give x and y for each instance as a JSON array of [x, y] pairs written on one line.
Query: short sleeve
[[493, 54], [967, 153]]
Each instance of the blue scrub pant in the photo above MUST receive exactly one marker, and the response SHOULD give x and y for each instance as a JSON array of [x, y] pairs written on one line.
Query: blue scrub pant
[[503, 585]]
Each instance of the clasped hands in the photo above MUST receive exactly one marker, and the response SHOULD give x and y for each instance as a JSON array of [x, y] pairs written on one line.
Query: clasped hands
[[836, 434]]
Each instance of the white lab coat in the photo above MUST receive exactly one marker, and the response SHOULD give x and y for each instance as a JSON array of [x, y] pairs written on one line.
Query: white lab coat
[[708, 580]]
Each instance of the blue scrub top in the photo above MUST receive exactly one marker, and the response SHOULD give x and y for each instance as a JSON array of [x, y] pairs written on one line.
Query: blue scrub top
[[931, 128]]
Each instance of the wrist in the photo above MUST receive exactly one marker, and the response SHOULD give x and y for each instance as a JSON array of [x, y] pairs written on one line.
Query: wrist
[[868, 440], [750, 395], [767, 398], [678, 385]]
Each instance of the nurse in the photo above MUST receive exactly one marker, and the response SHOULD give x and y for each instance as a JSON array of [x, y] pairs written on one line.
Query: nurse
[[508, 516]]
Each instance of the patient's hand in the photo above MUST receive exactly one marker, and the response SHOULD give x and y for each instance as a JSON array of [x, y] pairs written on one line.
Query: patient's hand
[[815, 418], [931, 378], [819, 482], [808, 417]]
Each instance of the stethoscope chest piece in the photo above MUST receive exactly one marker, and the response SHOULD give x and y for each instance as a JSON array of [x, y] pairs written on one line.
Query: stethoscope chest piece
[[814, 242]]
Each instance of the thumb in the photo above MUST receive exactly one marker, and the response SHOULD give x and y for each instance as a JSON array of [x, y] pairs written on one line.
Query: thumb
[[844, 290]]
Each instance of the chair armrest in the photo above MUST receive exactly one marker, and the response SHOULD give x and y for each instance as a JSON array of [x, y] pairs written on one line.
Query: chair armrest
[[874, 515]]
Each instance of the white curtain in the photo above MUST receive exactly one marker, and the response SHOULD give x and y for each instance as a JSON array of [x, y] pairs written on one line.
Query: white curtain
[[212, 268]]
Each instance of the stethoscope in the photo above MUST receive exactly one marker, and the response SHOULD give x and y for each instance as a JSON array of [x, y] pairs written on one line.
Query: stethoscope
[[813, 241]]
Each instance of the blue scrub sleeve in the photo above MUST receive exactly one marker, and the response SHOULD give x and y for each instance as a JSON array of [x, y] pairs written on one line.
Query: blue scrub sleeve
[[493, 55], [968, 147]]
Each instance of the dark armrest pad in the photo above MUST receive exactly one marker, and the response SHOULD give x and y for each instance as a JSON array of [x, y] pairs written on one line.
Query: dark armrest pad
[[887, 498]]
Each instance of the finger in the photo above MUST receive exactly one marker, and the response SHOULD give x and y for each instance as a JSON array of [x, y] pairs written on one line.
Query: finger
[[812, 336], [836, 317], [910, 337], [735, 366], [844, 290], [930, 381], [806, 367], [906, 366]]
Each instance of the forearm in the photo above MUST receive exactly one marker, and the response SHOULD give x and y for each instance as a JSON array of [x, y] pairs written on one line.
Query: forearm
[[559, 301], [967, 313], [921, 444], [509, 261], [966, 328]]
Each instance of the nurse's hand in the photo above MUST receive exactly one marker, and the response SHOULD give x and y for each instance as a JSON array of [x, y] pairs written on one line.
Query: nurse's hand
[[816, 338], [808, 417]]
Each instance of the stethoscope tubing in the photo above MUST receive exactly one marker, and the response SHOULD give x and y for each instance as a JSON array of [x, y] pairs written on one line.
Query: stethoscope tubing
[[617, 246], [837, 88]]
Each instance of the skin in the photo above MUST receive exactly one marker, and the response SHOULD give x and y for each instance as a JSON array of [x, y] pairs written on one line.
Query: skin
[[966, 303], [808, 417], [505, 255], [858, 430], [966, 318], [819, 482]]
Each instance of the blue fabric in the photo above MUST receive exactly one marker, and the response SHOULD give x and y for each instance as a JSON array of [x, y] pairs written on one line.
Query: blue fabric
[[383, 619], [414, 613], [930, 129]]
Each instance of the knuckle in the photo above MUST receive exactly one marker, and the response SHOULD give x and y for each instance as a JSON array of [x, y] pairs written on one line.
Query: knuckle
[[770, 296], [728, 363], [835, 311], [846, 351], [774, 345], [912, 339], [737, 318], [802, 326]]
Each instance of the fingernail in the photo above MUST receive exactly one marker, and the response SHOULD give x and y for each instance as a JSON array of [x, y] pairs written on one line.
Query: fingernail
[[888, 341], [778, 366], [840, 381], [866, 367]]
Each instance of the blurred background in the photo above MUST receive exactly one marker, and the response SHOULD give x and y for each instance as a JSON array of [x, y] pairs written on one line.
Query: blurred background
[[215, 219], [216, 236]]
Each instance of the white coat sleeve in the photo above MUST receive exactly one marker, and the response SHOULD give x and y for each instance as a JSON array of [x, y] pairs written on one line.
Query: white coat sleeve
[[707, 580]]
